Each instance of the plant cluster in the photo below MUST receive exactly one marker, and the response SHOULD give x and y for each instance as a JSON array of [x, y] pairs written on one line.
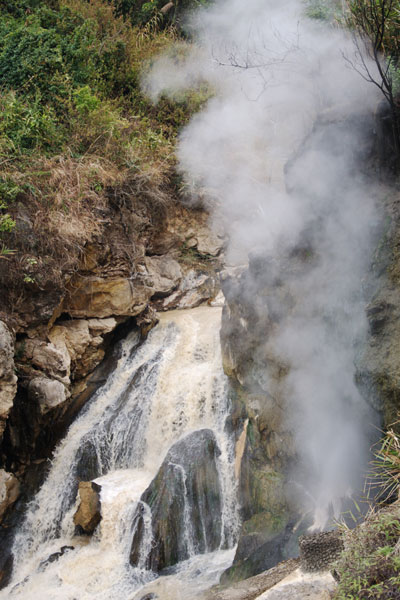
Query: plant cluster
[[369, 568], [73, 122]]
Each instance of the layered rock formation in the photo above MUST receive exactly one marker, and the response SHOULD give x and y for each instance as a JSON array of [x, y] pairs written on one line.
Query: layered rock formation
[[122, 278]]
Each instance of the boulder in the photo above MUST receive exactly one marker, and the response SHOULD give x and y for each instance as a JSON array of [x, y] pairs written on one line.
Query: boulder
[[9, 491], [80, 340], [209, 242], [185, 503], [88, 515], [195, 288], [48, 393], [99, 298], [47, 358], [8, 379], [164, 274]]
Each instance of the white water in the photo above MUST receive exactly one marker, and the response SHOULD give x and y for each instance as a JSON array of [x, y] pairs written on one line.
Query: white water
[[171, 385]]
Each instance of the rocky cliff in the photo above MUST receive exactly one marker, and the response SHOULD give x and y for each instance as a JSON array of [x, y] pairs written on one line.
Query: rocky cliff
[[53, 340], [259, 300]]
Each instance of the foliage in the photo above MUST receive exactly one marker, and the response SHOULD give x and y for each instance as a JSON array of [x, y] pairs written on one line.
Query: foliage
[[376, 33], [370, 567], [319, 9], [141, 12], [74, 124]]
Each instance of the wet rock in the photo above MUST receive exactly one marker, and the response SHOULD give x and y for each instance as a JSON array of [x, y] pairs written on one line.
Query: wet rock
[[54, 557], [6, 571], [8, 379], [9, 491], [48, 393], [164, 274], [185, 503], [319, 550], [99, 298], [88, 515]]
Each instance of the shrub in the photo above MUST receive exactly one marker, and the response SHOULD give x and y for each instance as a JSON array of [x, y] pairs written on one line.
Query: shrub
[[369, 568]]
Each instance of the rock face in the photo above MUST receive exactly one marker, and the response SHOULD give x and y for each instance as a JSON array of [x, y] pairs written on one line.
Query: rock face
[[8, 379], [88, 515], [9, 491], [99, 298], [262, 303], [185, 503], [48, 393]]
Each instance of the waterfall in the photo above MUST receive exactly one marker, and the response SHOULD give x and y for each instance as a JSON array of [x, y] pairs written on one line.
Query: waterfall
[[161, 390]]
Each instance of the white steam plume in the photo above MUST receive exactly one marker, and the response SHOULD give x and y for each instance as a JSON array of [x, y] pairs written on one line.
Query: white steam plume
[[275, 73]]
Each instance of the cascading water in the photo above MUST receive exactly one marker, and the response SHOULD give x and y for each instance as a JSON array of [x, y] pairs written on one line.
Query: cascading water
[[171, 385]]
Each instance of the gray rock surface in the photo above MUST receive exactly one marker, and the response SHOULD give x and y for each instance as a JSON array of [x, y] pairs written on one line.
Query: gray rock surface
[[164, 274], [8, 379], [185, 503], [9, 491], [49, 393]]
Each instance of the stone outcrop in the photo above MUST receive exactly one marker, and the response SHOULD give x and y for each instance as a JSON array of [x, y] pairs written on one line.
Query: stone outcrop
[[48, 393], [8, 379], [185, 503], [98, 297], [88, 515], [253, 587], [9, 491]]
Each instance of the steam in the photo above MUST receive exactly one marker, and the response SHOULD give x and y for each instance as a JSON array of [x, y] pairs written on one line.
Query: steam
[[276, 152]]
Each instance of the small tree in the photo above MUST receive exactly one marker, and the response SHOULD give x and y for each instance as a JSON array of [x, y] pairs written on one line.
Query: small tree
[[376, 33]]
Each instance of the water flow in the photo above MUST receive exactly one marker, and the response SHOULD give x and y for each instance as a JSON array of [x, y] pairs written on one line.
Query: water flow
[[171, 385]]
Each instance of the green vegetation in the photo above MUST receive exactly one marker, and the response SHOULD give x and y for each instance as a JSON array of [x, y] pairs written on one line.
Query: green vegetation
[[74, 123], [369, 568], [376, 32]]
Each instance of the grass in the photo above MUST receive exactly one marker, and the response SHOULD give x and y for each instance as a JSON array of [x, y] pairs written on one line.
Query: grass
[[77, 133], [369, 568]]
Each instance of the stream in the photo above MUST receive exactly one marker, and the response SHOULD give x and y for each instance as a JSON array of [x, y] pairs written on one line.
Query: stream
[[161, 391]]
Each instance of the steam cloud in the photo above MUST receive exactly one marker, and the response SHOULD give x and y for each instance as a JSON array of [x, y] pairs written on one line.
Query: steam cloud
[[276, 74]]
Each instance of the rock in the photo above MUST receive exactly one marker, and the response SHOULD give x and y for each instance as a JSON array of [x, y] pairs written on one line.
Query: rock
[[49, 393], [8, 379], [54, 557], [80, 340], [6, 352], [102, 326], [319, 550], [185, 503], [9, 491], [88, 515], [251, 588], [302, 586], [209, 242], [98, 297], [194, 289], [164, 274], [47, 358]]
